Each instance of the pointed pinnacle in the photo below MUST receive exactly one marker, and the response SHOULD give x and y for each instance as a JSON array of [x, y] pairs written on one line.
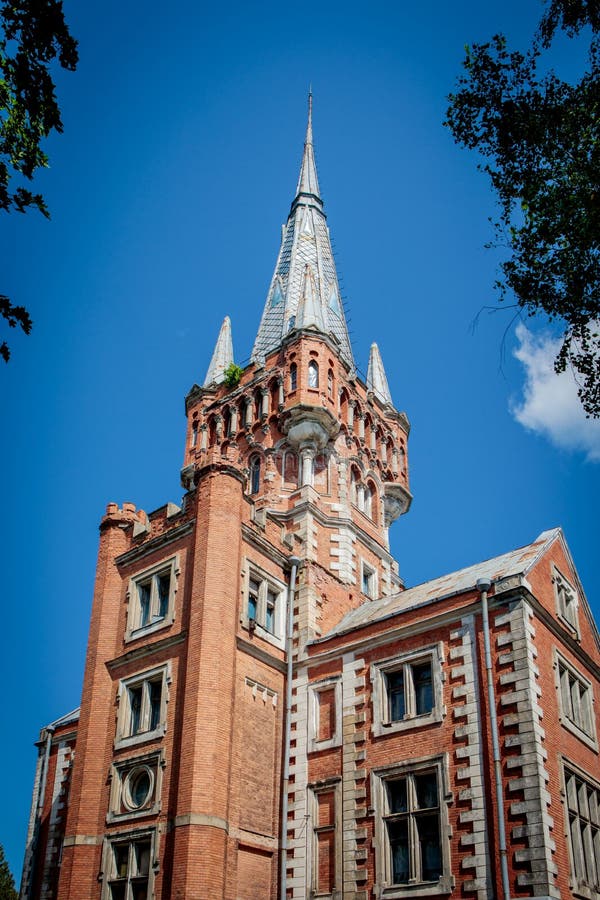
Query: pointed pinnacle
[[222, 356], [376, 377]]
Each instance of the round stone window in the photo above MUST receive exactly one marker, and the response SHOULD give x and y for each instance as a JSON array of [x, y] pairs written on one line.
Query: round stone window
[[139, 787]]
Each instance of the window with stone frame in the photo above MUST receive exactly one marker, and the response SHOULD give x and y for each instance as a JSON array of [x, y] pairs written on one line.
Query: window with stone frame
[[412, 848], [566, 601], [325, 713], [583, 823], [129, 866], [151, 599], [264, 609], [142, 700], [368, 580], [326, 843], [407, 690], [135, 787], [575, 693]]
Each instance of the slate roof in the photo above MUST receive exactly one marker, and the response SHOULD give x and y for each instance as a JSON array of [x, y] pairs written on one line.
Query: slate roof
[[516, 563]]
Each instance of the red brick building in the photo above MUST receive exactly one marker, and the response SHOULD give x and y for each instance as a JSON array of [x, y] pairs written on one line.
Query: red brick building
[[266, 711]]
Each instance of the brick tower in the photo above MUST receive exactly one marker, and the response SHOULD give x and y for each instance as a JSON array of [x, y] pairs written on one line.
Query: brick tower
[[177, 786]]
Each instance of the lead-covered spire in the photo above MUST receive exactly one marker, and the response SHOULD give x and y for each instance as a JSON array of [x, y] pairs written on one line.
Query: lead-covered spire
[[305, 262]]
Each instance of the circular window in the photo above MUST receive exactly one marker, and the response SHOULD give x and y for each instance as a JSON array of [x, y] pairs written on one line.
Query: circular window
[[139, 787]]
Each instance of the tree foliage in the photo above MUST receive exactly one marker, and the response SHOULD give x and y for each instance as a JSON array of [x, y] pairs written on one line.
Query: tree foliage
[[539, 137], [33, 34], [7, 882]]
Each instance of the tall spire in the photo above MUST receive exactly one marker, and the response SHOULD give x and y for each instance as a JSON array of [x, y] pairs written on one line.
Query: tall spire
[[304, 289], [376, 377], [222, 356], [308, 183]]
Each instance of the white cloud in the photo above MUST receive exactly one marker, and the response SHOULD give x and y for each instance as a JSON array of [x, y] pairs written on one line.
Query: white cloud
[[550, 405]]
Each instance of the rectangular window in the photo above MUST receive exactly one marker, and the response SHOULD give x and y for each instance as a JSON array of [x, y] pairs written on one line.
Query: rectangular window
[[411, 829], [583, 808], [368, 581], [151, 597], [576, 701], [264, 606], [566, 601], [407, 690], [142, 707], [326, 847], [129, 868], [325, 713]]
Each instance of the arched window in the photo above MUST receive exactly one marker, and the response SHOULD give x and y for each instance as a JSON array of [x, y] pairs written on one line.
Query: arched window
[[371, 501], [313, 374], [227, 422], [354, 484], [255, 475], [194, 434], [293, 377], [330, 384]]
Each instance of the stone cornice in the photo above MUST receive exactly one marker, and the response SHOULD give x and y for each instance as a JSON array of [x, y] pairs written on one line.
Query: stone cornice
[[260, 654]]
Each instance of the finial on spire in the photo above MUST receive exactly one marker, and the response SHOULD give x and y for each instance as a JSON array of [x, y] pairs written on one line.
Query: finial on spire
[[308, 183], [376, 377], [222, 356]]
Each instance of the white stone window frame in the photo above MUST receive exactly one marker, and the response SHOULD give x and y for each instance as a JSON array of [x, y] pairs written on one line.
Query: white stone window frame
[[382, 724], [314, 689], [562, 665], [123, 737], [133, 629], [266, 582], [324, 787], [129, 837], [577, 852], [567, 612], [384, 887], [366, 569], [120, 776]]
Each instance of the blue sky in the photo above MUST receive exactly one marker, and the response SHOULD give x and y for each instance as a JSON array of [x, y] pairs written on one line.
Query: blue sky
[[183, 137]]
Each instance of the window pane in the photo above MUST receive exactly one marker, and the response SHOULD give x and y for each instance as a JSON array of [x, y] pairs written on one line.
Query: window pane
[[426, 787], [155, 698], [397, 706], [270, 611], [142, 858], [135, 703], [397, 795], [144, 595], [429, 840], [117, 891], [121, 858], [423, 686], [398, 836], [139, 788], [164, 583], [139, 891]]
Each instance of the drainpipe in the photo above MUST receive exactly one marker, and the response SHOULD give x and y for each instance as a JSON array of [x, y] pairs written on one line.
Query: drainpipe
[[483, 586], [285, 780]]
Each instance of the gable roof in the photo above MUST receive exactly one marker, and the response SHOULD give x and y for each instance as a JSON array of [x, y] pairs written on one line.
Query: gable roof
[[515, 563]]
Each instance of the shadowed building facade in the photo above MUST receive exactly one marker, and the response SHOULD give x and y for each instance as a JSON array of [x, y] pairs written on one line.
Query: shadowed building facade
[[267, 711]]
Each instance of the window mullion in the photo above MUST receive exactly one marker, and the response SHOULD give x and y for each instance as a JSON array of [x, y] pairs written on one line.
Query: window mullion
[[409, 691]]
